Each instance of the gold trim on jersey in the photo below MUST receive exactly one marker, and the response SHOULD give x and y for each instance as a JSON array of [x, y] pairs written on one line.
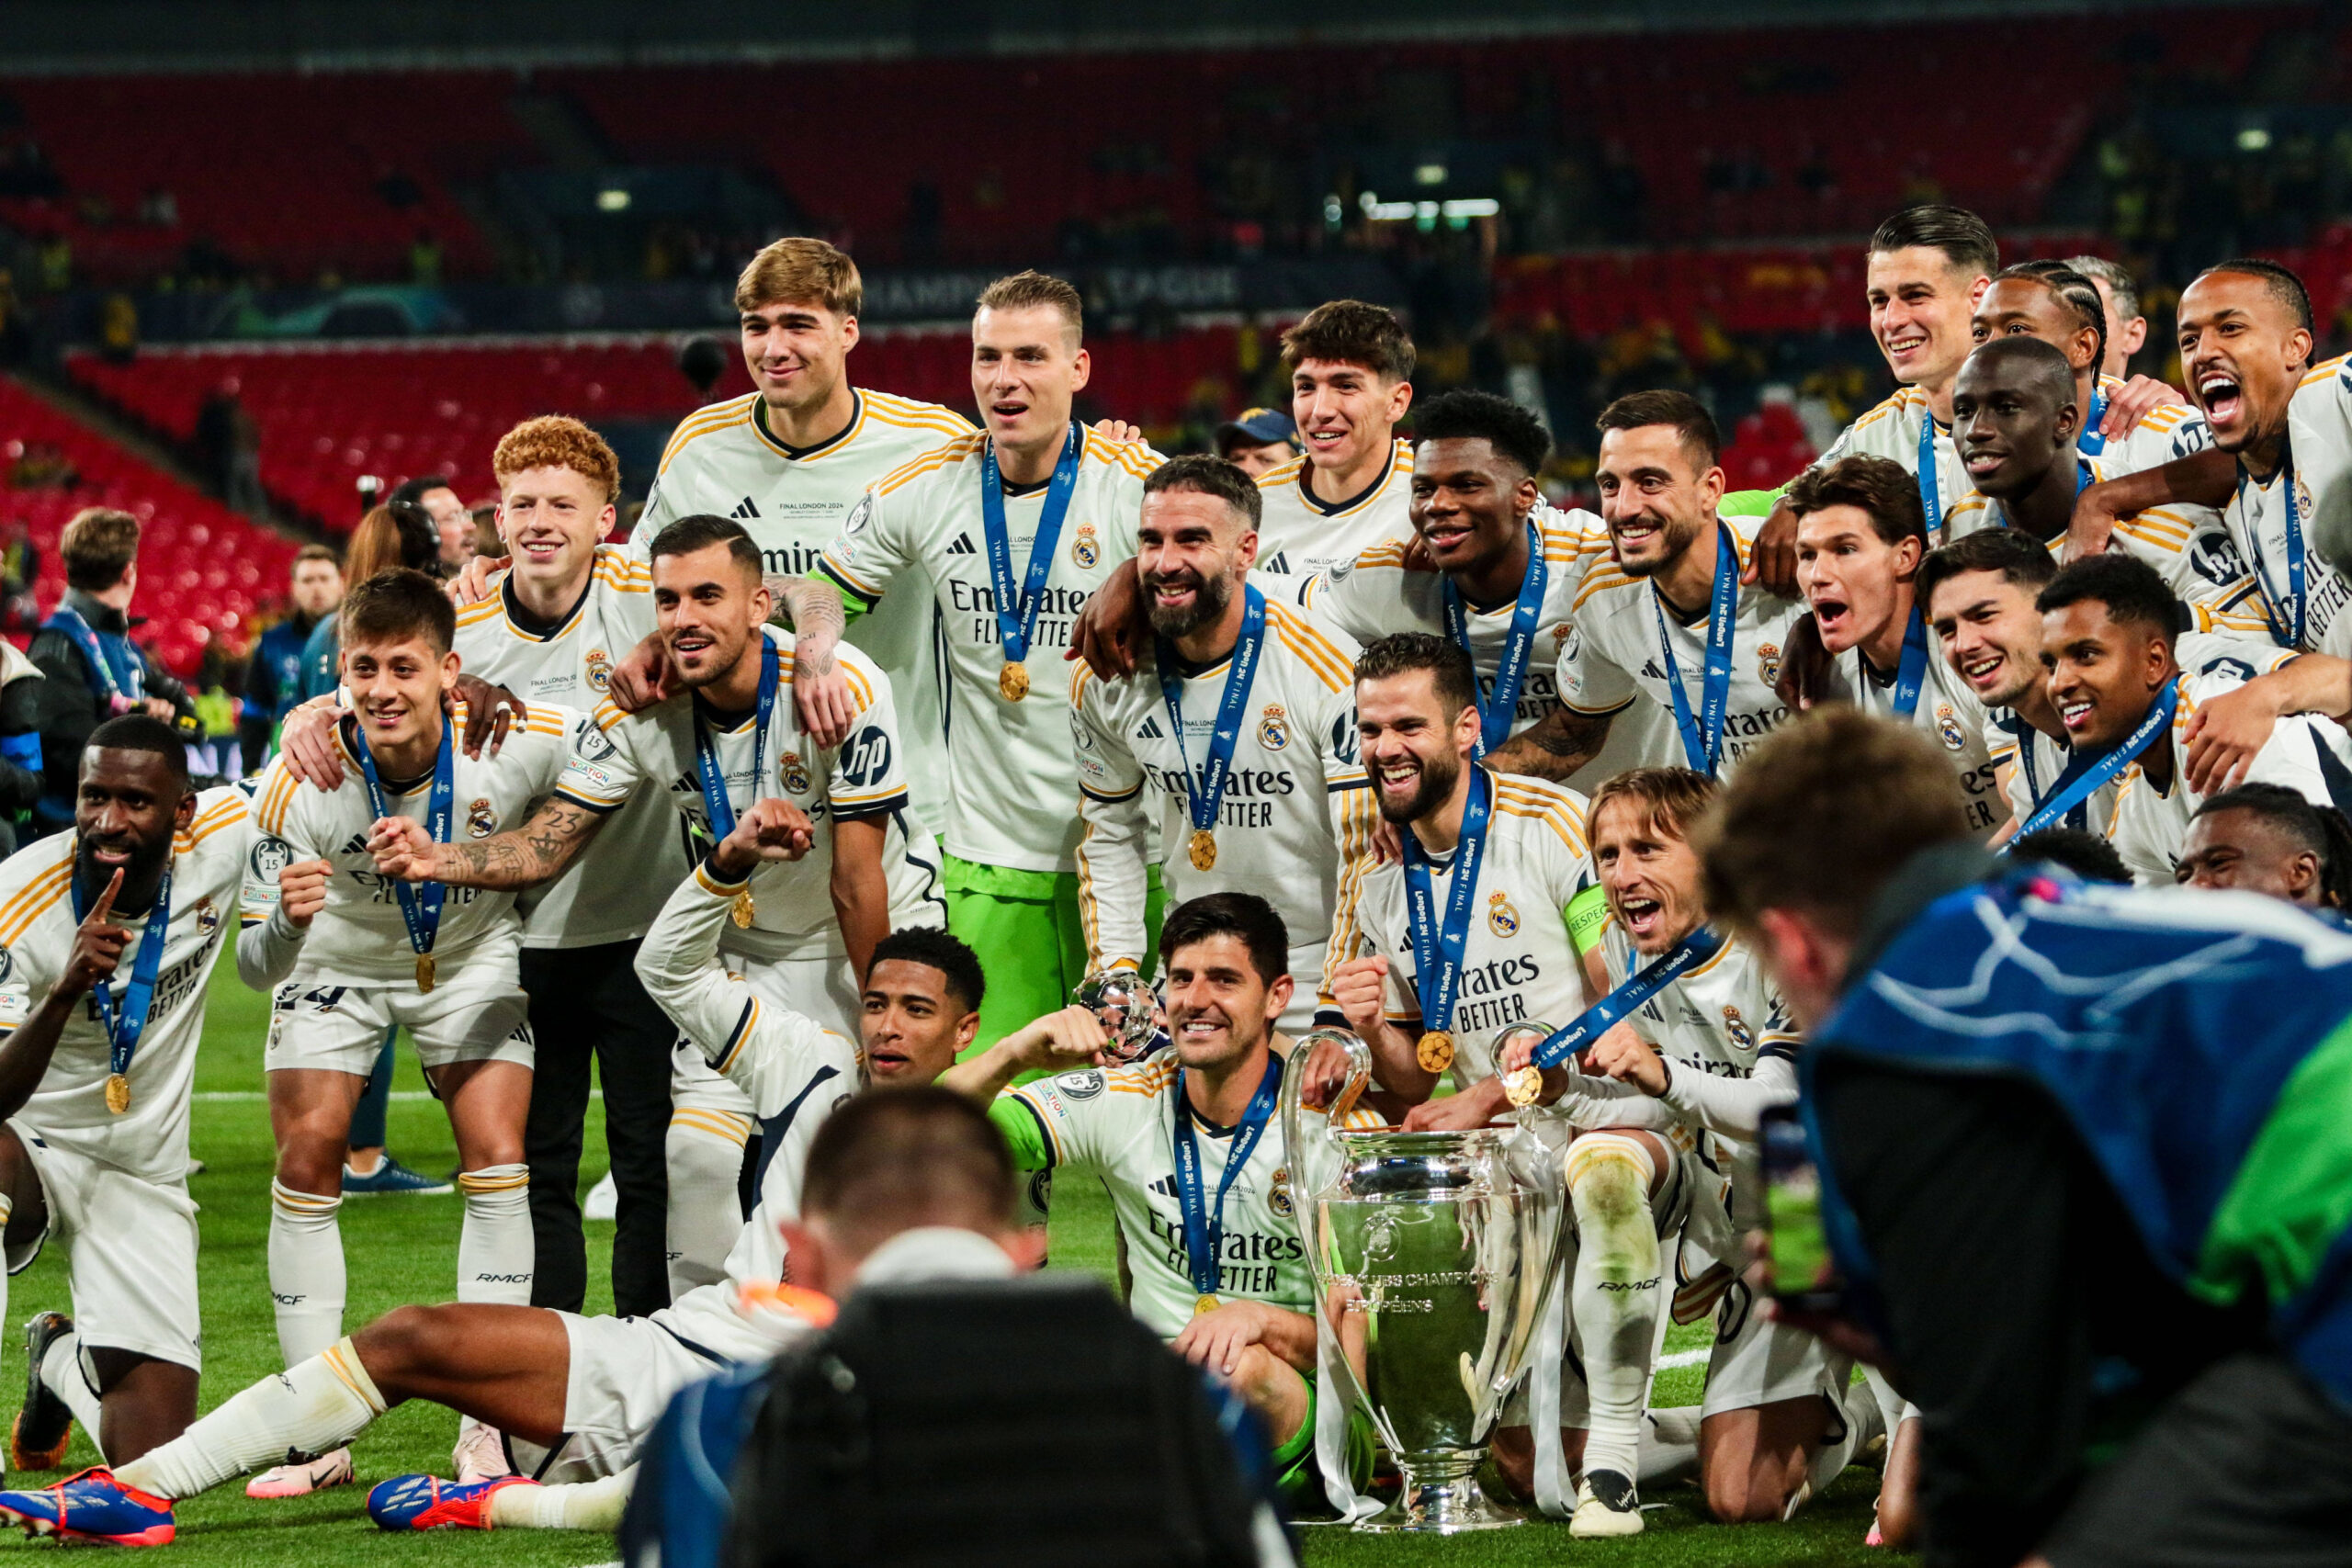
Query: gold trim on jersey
[[1294, 474], [2323, 370], [1905, 399], [718, 416], [34, 899], [723, 1125]]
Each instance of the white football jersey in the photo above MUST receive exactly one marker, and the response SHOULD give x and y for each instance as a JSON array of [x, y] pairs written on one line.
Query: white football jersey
[[1014, 784], [1612, 658], [1299, 534], [37, 929], [1721, 1018], [791, 501], [1120, 1124], [2310, 755], [1892, 431], [626, 755], [1518, 961], [2319, 450], [1950, 714], [2166, 432], [1297, 812], [360, 937], [2318, 463], [2189, 545], [612, 892]]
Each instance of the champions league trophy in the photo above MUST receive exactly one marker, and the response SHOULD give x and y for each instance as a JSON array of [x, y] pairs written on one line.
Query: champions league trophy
[[1431, 1255], [1129, 1010]]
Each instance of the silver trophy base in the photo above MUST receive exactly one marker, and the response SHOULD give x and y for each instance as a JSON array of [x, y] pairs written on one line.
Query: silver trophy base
[[1441, 1496]]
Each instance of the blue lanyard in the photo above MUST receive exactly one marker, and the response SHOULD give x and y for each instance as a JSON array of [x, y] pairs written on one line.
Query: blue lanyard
[[1655, 976], [2089, 440], [2296, 567], [717, 804], [2079, 816], [1436, 949], [126, 1023], [1912, 674], [115, 673], [2087, 773], [1501, 706], [1702, 742], [1203, 1227], [1931, 493], [1016, 614], [1208, 790], [419, 905]]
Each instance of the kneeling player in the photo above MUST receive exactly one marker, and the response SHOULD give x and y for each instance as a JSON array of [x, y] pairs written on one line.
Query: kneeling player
[[108, 936], [1203, 1196]]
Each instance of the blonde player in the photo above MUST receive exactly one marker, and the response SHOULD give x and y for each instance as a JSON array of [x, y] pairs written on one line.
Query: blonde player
[[1695, 1025], [1010, 530], [1670, 622], [108, 936], [805, 932], [1237, 741], [347, 955]]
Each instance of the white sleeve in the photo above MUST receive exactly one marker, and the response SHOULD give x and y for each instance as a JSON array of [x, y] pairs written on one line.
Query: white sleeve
[[1112, 873], [1733, 1106], [1593, 1101], [763, 1050]]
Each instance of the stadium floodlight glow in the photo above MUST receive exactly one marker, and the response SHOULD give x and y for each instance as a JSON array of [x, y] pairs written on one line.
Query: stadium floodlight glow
[[1370, 203], [616, 199], [1473, 206], [1429, 175], [2254, 139], [1390, 211], [1333, 211]]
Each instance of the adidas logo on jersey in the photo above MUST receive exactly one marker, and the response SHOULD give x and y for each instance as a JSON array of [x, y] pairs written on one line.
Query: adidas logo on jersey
[[962, 546], [357, 846], [1277, 562], [1151, 731], [744, 508]]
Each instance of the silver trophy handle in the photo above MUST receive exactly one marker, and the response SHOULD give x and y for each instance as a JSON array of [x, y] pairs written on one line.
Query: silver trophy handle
[[1313, 1152]]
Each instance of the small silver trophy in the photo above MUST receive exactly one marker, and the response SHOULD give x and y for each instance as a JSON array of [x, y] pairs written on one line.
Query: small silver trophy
[[1129, 1010]]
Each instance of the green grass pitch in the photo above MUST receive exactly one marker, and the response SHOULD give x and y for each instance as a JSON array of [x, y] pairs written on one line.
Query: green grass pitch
[[405, 1249]]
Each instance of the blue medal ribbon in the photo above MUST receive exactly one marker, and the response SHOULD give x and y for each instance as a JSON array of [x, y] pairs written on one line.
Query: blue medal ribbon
[[117, 675], [1207, 789], [125, 1022], [1654, 977], [2087, 772], [2079, 816], [1501, 706], [2089, 441], [1702, 742], [1016, 613], [1911, 675], [1437, 949], [421, 904], [1931, 493], [1204, 1226], [717, 804], [2289, 634]]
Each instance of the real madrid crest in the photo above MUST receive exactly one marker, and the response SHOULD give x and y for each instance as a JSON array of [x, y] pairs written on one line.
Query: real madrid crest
[[1278, 1192], [208, 918], [1501, 918], [1736, 1027], [1084, 549], [1273, 727], [1948, 728], [793, 773], [600, 669], [480, 820], [1768, 662]]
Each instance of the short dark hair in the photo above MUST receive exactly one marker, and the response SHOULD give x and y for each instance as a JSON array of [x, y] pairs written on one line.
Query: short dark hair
[[2285, 288], [892, 1160], [413, 492], [1821, 817], [2016, 555], [1203, 473], [1636, 411], [402, 602], [1243, 915], [1883, 490], [2074, 291], [1965, 240], [2087, 855], [1349, 331], [699, 531], [317, 552], [2119, 283], [2044, 363], [97, 546], [141, 732], [2321, 829], [1510, 430], [934, 949], [2133, 591], [1400, 653]]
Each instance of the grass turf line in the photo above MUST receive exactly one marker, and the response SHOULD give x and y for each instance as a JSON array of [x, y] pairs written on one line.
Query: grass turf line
[[405, 1249]]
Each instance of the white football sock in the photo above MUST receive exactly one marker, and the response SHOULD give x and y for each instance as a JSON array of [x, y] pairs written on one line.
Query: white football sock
[[494, 1249], [1863, 1419], [62, 1374], [578, 1505], [312, 1408], [1613, 1296], [1670, 1446], [705, 1153], [306, 1275]]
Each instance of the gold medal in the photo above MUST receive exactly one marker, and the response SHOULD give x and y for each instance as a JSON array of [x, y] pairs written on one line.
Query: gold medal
[[1524, 1087], [425, 971], [1014, 681], [118, 1094], [1434, 1051], [1204, 1304], [1203, 849], [742, 909]]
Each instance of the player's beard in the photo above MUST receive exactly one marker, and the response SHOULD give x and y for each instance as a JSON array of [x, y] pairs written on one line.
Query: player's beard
[[1438, 776], [1239, 1039], [1210, 596], [140, 874], [713, 669], [1677, 533]]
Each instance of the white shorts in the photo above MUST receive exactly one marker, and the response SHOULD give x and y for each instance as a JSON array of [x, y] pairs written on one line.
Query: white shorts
[[623, 1375], [482, 1017], [821, 989], [130, 1251], [1756, 1362]]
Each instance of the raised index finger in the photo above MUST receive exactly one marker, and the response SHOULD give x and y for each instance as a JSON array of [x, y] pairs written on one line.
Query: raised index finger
[[102, 912]]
